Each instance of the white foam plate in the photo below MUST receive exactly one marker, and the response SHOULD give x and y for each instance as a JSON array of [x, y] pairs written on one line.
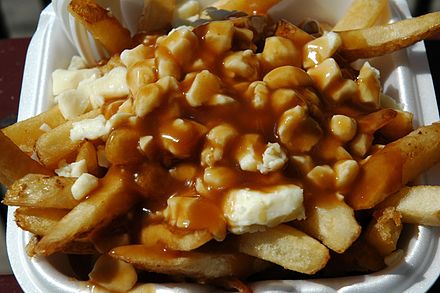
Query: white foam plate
[[405, 76]]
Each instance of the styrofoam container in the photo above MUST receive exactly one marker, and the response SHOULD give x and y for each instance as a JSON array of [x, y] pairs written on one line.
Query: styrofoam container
[[405, 76]]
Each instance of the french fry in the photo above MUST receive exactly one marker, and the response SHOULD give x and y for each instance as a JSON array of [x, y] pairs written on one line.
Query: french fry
[[417, 204], [399, 162], [100, 22], [74, 247], [174, 239], [384, 230], [87, 152], [14, 164], [250, 7], [112, 198], [55, 145], [40, 191], [38, 221], [362, 14], [25, 133], [359, 258], [331, 221], [198, 265], [400, 126], [381, 40], [290, 31], [287, 247]]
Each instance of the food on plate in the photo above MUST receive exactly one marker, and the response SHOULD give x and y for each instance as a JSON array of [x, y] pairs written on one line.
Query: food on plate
[[221, 150], [363, 14]]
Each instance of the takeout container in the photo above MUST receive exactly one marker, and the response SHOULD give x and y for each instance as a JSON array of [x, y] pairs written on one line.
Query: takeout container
[[405, 76]]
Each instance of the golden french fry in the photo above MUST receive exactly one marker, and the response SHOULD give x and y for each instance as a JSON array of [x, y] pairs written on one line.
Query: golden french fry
[[199, 265], [417, 204], [331, 221], [370, 123], [287, 247], [100, 22], [175, 239], [55, 145], [14, 164], [74, 247], [362, 14], [40, 191], [112, 198], [359, 258], [25, 133], [400, 126], [399, 162], [290, 31], [380, 40], [87, 152], [38, 221], [250, 7], [384, 230]]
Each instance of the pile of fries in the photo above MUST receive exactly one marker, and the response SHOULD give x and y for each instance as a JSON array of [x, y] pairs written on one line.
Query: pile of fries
[[224, 150]]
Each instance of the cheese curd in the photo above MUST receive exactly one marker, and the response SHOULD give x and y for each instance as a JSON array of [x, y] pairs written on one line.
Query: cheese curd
[[216, 137], [93, 128], [248, 210]]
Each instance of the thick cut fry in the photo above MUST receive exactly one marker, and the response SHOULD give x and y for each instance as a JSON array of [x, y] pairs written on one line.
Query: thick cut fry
[[100, 22], [360, 258], [290, 31], [417, 204], [113, 198], [363, 14], [331, 221], [25, 133], [55, 145], [388, 170], [380, 40], [14, 164], [400, 126], [74, 247], [287, 247], [249, 6], [87, 152], [384, 230], [175, 239], [38, 221], [40, 191], [199, 265]]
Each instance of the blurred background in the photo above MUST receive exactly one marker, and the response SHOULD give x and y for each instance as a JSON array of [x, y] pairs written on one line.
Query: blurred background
[[19, 18]]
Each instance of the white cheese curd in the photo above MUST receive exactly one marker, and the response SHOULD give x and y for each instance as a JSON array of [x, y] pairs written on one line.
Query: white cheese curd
[[131, 56], [63, 79], [112, 85], [93, 128], [72, 103], [274, 158], [83, 185], [45, 127], [145, 143], [248, 210], [74, 169], [77, 63]]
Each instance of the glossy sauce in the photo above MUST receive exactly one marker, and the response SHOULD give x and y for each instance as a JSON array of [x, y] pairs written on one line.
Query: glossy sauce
[[207, 214]]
